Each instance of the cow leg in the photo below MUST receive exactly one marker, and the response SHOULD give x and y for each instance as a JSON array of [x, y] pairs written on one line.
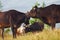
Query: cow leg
[[14, 32], [3, 33], [52, 22], [12, 27], [53, 25]]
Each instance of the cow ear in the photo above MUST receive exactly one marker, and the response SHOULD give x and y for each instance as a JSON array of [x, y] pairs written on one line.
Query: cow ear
[[34, 8]]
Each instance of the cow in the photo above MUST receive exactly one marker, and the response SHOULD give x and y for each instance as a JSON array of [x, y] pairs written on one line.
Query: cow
[[13, 19], [49, 15], [36, 26]]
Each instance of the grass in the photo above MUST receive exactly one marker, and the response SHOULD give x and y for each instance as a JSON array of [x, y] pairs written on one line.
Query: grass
[[44, 35]]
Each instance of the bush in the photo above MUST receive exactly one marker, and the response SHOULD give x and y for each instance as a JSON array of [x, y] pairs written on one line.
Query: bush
[[33, 20]]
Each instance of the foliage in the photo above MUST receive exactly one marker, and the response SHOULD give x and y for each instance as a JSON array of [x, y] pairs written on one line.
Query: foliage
[[46, 26], [32, 20], [43, 5], [7, 30], [36, 4], [0, 6]]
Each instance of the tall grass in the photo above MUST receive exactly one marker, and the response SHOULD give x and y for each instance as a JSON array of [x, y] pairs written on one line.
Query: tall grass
[[44, 35]]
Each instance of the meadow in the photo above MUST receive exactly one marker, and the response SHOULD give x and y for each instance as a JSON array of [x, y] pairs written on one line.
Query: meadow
[[46, 34]]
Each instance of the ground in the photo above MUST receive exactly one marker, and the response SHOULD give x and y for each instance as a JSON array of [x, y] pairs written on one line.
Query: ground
[[46, 34]]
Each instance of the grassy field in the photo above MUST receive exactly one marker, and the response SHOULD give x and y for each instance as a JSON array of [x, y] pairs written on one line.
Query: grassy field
[[44, 35]]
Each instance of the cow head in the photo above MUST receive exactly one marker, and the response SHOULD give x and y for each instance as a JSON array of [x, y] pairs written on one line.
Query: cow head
[[33, 12], [39, 13], [36, 12]]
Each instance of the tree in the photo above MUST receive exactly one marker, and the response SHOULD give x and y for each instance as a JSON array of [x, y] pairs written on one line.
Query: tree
[[36, 4], [1, 6], [43, 5]]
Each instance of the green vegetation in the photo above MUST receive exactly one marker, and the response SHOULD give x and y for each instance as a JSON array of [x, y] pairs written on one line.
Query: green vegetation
[[1, 6], [32, 20], [43, 5], [36, 4], [7, 30]]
